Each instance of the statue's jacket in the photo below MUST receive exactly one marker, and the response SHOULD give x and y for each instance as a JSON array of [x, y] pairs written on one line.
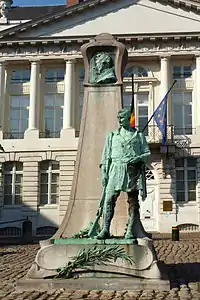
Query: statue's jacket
[[122, 160]]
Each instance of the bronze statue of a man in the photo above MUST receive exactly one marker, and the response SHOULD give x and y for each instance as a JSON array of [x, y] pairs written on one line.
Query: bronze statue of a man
[[122, 166]]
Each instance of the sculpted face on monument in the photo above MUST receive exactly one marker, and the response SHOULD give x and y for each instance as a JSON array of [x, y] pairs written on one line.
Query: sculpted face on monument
[[102, 69]]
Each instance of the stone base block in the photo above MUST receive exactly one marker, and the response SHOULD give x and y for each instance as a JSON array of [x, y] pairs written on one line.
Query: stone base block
[[114, 283], [57, 253]]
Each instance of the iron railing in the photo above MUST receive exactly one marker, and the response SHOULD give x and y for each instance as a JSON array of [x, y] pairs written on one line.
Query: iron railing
[[49, 134], [13, 135], [154, 135]]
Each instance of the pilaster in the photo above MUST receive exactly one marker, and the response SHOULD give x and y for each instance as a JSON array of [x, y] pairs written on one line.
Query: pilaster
[[2, 94], [197, 85]]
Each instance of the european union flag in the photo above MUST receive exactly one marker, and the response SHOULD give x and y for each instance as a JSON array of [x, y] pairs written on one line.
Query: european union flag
[[160, 116]]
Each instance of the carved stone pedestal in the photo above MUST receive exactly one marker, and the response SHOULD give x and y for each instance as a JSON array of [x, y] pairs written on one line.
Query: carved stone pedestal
[[57, 253]]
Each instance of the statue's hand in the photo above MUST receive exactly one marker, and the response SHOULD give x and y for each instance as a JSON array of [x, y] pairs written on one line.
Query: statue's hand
[[104, 176], [135, 160]]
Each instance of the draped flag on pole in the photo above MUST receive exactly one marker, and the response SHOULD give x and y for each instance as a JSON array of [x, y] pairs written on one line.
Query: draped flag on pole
[[132, 118], [160, 116]]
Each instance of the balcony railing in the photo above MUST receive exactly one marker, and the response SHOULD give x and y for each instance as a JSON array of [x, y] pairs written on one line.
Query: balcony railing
[[154, 135], [49, 134], [13, 135]]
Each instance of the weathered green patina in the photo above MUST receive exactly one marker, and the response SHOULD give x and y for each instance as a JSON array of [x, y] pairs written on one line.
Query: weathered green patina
[[102, 69], [123, 169]]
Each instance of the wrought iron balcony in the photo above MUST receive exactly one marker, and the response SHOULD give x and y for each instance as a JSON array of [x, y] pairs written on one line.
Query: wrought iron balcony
[[49, 134], [13, 135], [154, 135]]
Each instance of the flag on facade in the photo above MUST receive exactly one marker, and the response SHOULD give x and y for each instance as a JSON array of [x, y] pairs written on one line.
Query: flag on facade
[[160, 117]]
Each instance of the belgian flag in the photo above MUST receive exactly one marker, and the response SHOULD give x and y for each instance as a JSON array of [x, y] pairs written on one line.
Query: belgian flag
[[132, 118]]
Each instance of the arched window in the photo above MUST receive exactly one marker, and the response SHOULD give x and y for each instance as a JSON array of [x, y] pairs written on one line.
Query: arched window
[[12, 183], [136, 71], [49, 182]]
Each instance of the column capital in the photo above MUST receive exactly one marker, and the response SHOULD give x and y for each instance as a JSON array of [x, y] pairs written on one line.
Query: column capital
[[165, 57], [70, 60], [34, 60], [197, 55]]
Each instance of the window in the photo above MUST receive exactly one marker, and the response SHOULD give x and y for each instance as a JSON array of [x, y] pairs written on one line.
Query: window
[[20, 76], [141, 108], [186, 179], [46, 231], [54, 75], [136, 71], [10, 232], [81, 87], [182, 112], [182, 72], [12, 183], [18, 115], [53, 114], [49, 182]]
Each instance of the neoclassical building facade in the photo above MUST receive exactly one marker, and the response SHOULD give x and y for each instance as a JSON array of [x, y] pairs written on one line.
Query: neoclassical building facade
[[42, 87]]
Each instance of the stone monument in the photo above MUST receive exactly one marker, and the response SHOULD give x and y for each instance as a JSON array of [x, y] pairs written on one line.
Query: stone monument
[[122, 168]]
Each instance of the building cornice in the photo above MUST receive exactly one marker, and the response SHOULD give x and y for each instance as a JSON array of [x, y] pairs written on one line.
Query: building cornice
[[126, 38], [87, 5], [63, 51]]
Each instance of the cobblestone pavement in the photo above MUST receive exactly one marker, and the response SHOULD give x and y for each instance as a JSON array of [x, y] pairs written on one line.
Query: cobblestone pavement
[[181, 258]]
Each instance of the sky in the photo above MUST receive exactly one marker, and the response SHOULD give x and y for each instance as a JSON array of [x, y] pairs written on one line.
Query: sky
[[37, 2]]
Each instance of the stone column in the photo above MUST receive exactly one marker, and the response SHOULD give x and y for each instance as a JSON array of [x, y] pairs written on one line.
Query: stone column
[[164, 78], [2, 94], [165, 83], [68, 95], [34, 93], [197, 84]]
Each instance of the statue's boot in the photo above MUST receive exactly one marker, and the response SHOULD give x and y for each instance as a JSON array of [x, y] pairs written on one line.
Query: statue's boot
[[110, 202], [135, 228], [130, 231], [105, 232]]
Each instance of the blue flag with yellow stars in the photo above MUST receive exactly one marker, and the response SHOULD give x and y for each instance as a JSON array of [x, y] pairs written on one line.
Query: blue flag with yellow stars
[[160, 117]]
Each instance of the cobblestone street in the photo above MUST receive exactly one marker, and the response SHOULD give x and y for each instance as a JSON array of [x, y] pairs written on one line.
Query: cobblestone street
[[181, 258]]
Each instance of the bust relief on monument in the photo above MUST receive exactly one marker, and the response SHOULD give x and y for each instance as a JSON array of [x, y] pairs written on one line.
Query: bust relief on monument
[[102, 68], [105, 59]]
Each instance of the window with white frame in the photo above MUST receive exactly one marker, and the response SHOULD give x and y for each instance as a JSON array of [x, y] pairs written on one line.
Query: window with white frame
[[180, 72], [186, 179], [19, 114], [182, 112], [141, 108], [49, 182], [55, 75], [53, 114], [20, 76], [12, 183]]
